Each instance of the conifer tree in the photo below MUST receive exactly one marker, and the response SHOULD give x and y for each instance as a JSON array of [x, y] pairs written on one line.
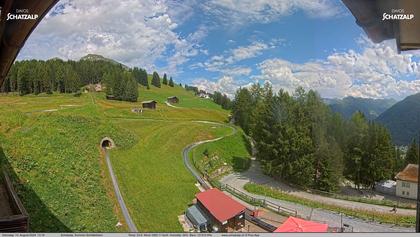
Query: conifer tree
[[412, 156], [165, 79], [156, 80], [171, 82]]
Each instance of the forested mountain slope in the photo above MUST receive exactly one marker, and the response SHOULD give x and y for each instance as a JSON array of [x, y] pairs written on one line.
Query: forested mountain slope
[[403, 119]]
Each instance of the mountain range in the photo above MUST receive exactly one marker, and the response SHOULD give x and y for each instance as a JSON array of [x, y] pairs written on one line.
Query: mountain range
[[403, 119], [371, 108]]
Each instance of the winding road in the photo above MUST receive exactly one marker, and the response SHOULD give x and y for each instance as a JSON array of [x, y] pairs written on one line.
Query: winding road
[[188, 148], [333, 219], [238, 180], [130, 223]]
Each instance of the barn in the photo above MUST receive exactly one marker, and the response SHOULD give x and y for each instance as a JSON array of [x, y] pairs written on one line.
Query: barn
[[110, 97], [173, 100], [149, 104], [226, 214]]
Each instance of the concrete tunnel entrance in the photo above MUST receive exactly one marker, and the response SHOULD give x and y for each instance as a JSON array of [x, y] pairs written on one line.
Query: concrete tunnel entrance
[[107, 143]]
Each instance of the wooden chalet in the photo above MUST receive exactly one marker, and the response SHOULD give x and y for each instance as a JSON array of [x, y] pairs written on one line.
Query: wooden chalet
[[149, 104], [173, 100]]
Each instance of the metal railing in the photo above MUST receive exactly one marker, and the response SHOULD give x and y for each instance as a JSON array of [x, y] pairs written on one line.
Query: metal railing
[[258, 201]]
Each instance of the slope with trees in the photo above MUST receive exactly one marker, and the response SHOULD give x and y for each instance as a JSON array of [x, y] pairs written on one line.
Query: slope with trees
[[412, 155], [403, 120], [299, 139], [56, 75], [156, 80], [121, 85], [371, 108]]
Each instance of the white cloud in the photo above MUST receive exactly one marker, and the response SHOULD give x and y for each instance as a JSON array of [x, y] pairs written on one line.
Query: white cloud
[[249, 51], [185, 49], [377, 72], [312, 75], [237, 71], [224, 63], [226, 85], [238, 12], [135, 32]]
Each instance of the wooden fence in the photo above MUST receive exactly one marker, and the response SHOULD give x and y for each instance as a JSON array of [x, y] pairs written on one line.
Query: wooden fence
[[259, 202], [19, 220]]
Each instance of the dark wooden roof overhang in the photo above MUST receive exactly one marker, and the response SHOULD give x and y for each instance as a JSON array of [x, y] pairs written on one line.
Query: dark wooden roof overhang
[[369, 14], [13, 33]]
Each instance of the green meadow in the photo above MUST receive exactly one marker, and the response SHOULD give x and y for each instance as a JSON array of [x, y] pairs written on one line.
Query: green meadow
[[226, 155], [50, 146]]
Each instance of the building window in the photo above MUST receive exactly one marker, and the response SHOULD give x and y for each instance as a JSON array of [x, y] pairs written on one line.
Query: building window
[[405, 185], [403, 192], [408, 193]]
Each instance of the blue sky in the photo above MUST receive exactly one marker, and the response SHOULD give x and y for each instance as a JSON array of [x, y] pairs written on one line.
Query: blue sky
[[297, 38], [224, 44]]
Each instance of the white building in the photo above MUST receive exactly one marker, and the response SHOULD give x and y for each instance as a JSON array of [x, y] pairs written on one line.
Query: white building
[[407, 182], [203, 94]]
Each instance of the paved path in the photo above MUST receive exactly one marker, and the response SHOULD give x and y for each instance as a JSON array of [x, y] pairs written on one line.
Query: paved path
[[131, 226], [171, 105], [254, 174], [188, 148]]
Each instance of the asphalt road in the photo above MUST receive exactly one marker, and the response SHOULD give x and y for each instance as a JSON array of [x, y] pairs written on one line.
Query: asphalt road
[[333, 219], [131, 226], [188, 148]]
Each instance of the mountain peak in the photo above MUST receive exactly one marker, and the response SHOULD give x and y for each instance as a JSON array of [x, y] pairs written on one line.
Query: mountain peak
[[93, 57], [97, 57]]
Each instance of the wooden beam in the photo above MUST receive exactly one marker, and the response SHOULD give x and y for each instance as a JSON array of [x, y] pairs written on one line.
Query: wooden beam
[[14, 33]]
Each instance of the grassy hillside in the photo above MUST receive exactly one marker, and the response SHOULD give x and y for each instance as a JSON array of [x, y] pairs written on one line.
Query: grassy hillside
[[190, 106], [153, 178], [229, 154], [403, 119], [55, 162], [187, 98], [50, 144]]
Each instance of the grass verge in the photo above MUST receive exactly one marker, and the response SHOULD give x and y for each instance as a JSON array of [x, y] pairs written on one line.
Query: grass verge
[[154, 182], [221, 157], [401, 220]]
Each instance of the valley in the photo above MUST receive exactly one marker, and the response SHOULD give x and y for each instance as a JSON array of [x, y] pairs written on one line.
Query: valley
[[51, 146]]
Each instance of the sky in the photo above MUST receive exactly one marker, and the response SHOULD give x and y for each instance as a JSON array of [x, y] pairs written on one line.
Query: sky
[[226, 44]]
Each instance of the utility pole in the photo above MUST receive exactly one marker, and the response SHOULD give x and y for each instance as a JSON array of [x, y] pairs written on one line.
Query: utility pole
[[418, 192]]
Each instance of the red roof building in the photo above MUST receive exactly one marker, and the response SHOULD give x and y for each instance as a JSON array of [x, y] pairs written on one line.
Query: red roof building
[[226, 212], [293, 224]]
